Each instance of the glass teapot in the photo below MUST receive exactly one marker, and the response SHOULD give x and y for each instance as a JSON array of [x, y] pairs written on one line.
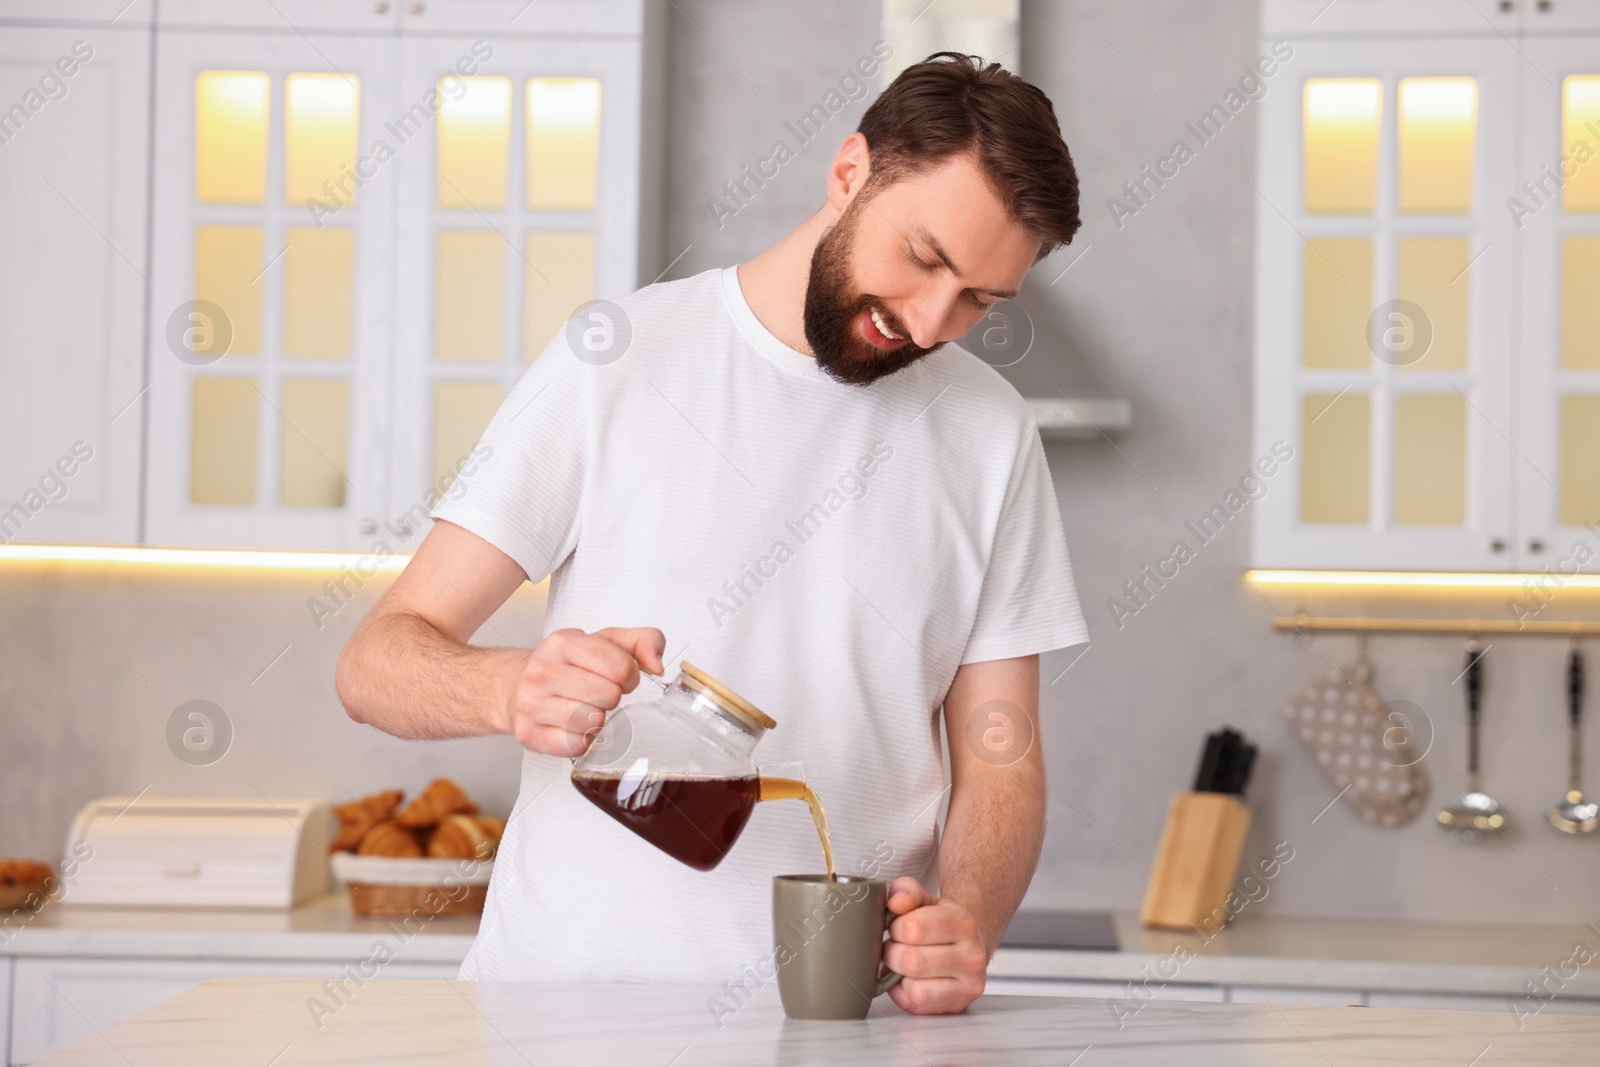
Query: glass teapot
[[676, 769]]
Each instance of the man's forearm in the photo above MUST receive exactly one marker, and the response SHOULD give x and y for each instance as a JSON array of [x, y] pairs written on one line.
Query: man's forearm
[[992, 837], [403, 676]]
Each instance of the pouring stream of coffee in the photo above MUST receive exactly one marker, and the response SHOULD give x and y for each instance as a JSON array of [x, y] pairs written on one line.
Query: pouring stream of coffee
[[794, 789]]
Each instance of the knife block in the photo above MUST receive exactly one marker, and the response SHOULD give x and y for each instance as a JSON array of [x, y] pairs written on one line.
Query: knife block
[[1196, 863]]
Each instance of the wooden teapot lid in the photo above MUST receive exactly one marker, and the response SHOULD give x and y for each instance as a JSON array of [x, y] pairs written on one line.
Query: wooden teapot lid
[[733, 702]]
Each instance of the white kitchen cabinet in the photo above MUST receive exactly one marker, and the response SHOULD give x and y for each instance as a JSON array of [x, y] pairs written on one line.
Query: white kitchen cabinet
[[375, 16], [1410, 322], [6, 967], [73, 172], [1557, 470], [1558, 1005], [96, 13], [1295, 995], [271, 294], [1111, 992], [58, 1001], [488, 174], [491, 268]]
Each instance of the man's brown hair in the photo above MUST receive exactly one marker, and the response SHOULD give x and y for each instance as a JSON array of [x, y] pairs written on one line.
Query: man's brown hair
[[952, 104]]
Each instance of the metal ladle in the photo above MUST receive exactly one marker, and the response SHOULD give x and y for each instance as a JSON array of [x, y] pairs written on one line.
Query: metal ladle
[[1476, 813], [1575, 815]]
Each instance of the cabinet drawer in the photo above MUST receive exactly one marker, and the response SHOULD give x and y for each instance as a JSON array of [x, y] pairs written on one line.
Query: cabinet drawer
[[1481, 1002], [58, 1001], [1063, 987], [1322, 998]]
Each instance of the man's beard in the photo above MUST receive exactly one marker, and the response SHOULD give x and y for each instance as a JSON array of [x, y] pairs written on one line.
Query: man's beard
[[833, 307]]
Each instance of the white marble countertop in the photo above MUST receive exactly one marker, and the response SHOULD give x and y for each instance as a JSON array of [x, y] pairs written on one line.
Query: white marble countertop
[[261, 1021], [1329, 953], [321, 929], [1319, 953]]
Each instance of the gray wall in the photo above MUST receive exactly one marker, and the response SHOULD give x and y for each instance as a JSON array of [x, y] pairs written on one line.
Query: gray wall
[[1158, 311]]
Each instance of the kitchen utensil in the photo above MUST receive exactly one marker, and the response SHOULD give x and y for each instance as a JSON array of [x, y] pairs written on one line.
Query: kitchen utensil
[[1476, 813], [828, 941], [1368, 749], [1574, 815], [1225, 763]]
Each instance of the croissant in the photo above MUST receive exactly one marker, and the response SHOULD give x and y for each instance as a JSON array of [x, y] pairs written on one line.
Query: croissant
[[495, 829], [459, 837], [359, 816], [442, 797], [24, 872], [389, 839]]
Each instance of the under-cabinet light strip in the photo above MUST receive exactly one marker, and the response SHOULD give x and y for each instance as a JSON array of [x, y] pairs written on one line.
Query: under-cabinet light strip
[[364, 563], [1421, 579]]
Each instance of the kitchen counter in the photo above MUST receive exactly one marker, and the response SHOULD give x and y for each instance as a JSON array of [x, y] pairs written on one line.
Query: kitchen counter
[[1328, 953], [1267, 950], [267, 1021], [321, 929]]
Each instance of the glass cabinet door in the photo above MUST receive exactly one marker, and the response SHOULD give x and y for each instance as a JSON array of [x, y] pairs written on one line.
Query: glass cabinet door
[[519, 204], [1556, 206], [269, 345], [1383, 331]]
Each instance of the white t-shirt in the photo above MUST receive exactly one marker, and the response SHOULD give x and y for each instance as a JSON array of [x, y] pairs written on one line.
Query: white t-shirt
[[921, 532]]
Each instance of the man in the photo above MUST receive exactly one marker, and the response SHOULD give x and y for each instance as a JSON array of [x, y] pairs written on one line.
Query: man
[[790, 475]]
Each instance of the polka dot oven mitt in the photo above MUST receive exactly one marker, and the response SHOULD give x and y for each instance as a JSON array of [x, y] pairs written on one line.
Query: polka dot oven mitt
[[1365, 751]]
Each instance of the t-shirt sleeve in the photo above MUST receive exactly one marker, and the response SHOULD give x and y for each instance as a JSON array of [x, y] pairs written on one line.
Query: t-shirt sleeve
[[524, 492], [1029, 602]]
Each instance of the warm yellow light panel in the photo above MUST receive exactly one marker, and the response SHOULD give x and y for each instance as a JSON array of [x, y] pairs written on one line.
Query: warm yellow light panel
[[1430, 460], [232, 108], [1580, 106], [314, 443], [1438, 126], [1433, 275], [563, 143], [1342, 118], [1335, 458], [561, 281], [1408, 580], [469, 310], [227, 271], [236, 559], [222, 441], [318, 292], [1580, 302], [474, 142], [1336, 303], [321, 114], [1580, 459], [461, 412]]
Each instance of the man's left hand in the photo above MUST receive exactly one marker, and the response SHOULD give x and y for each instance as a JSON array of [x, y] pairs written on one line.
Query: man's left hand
[[935, 944]]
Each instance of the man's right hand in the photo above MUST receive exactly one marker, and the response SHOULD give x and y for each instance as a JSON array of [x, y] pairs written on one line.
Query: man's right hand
[[572, 678]]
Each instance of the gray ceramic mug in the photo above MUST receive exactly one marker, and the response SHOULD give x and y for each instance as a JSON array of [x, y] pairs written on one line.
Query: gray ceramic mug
[[828, 938]]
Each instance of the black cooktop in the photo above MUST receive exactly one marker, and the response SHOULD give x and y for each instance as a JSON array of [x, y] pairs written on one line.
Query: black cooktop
[[1090, 931]]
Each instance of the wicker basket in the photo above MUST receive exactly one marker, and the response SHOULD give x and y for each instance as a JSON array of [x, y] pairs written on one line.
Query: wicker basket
[[400, 900], [29, 897], [381, 886]]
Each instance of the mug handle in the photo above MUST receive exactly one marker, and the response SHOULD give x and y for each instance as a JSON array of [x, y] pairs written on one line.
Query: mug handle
[[888, 981]]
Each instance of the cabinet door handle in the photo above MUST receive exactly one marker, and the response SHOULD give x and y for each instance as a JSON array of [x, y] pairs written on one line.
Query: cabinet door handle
[[1497, 544], [415, 7], [1545, 5], [380, 6], [369, 526], [1535, 544]]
